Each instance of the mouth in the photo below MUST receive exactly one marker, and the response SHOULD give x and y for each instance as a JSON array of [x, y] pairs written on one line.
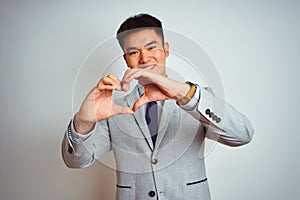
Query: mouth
[[147, 66]]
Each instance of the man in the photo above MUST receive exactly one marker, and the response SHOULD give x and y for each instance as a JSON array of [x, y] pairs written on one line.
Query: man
[[158, 147]]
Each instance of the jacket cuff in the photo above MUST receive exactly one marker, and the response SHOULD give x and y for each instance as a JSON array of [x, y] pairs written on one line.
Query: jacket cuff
[[77, 137]]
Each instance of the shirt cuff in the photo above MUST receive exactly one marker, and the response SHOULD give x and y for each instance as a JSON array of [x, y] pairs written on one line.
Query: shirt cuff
[[193, 102], [77, 137]]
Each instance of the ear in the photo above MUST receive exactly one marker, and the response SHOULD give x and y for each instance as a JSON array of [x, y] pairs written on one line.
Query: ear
[[125, 58], [166, 48]]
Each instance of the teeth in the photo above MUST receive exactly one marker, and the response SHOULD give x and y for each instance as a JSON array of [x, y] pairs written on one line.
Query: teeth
[[148, 67]]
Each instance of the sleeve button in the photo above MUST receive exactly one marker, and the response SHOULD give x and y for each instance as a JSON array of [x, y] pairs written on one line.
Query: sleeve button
[[207, 111], [215, 118]]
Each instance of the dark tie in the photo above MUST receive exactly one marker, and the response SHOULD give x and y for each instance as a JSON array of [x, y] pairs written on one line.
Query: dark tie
[[151, 119]]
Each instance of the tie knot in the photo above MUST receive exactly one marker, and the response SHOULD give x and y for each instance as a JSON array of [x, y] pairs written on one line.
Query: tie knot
[[151, 112], [151, 109], [152, 103]]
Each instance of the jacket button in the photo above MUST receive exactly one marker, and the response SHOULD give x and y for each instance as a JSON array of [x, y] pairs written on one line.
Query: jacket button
[[154, 161], [218, 120], [151, 193]]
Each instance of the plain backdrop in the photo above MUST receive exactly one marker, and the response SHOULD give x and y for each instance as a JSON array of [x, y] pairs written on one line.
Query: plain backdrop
[[254, 45]]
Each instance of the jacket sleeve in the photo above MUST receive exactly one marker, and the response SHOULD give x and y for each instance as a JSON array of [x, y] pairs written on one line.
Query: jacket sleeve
[[82, 152], [222, 121]]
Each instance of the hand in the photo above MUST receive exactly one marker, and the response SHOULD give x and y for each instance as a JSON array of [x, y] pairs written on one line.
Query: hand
[[99, 105], [156, 86]]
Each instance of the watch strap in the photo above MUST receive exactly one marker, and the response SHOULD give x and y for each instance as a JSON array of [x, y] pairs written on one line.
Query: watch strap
[[190, 94]]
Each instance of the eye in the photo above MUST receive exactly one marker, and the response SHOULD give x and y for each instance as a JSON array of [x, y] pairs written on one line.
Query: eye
[[151, 48], [132, 53]]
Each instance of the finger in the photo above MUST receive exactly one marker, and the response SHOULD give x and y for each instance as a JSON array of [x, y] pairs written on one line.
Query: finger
[[133, 74], [129, 76], [147, 67], [143, 76], [112, 77], [109, 82], [125, 84], [107, 87], [116, 80]]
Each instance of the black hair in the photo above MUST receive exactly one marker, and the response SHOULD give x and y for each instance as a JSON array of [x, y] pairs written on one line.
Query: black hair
[[137, 23]]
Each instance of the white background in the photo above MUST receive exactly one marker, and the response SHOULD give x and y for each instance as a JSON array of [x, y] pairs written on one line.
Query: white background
[[255, 46]]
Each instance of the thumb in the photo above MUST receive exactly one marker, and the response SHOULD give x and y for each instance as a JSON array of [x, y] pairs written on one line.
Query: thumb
[[141, 101], [124, 110]]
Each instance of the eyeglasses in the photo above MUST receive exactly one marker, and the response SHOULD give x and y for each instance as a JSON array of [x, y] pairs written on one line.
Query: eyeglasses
[[150, 50]]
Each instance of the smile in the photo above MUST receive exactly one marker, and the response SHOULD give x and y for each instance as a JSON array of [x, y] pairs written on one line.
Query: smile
[[147, 66]]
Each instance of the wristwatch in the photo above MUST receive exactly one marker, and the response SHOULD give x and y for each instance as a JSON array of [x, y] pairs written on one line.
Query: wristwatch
[[189, 95]]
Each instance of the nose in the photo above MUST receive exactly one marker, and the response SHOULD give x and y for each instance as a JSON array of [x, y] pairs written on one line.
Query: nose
[[144, 56]]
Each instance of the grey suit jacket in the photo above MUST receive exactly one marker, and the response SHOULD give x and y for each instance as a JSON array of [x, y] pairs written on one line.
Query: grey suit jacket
[[174, 167]]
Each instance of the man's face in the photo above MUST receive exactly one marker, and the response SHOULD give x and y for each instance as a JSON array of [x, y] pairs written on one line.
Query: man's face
[[144, 48]]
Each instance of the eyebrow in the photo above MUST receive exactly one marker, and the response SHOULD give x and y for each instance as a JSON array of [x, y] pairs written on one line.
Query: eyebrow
[[148, 44]]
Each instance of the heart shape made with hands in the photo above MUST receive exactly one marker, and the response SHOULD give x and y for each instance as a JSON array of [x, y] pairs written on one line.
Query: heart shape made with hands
[[156, 86], [99, 104], [151, 93]]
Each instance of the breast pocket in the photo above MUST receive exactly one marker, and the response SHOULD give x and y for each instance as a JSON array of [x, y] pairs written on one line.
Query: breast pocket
[[198, 189], [124, 192]]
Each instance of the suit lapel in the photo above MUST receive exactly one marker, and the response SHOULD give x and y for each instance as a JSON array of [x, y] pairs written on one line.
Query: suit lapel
[[139, 115], [167, 110]]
